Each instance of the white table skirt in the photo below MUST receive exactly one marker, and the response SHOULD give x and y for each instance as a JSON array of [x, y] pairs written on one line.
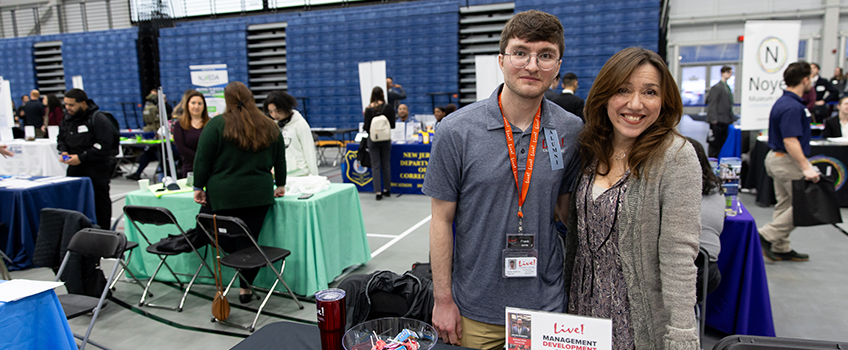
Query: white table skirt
[[34, 158]]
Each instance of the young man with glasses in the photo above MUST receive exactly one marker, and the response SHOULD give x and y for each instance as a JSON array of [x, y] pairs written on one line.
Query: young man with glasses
[[489, 157]]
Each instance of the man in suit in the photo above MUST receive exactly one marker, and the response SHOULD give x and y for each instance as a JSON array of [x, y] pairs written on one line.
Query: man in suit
[[567, 100], [719, 111], [825, 92]]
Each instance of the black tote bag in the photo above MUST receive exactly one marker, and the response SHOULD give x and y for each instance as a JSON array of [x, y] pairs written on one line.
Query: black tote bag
[[814, 203]]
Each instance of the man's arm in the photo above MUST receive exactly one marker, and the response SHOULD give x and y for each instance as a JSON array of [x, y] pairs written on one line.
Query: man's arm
[[793, 147], [446, 318]]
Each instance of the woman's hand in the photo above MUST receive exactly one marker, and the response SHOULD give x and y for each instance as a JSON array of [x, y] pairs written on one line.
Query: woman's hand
[[200, 197], [279, 191]]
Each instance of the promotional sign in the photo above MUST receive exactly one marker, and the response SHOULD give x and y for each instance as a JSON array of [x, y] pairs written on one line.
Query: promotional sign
[[408, 164], [372, 74], [526, 329], [488, 74], [210, 81], [7, 114], [770, 46]]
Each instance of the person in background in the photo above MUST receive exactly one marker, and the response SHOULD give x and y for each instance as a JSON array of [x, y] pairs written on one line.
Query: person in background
[[567, 99], [403, 113], [395, 93], [825, 92], [232, 168], [552, 92], [450, 108], [54, 110], [34, 114], [789, 141], [189, 126], [720, 111], [4, 150], [381, 151], [300, 146], [837, 126], [838, 79], [19, 113], [85, 138], [712, 219], [635, 214], [440, 112]]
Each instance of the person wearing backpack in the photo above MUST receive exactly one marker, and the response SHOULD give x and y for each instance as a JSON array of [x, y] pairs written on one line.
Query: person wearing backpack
[[87, 140], [379, 122]]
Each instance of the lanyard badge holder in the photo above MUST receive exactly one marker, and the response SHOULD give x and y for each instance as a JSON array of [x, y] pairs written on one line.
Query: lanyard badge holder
[[520, 258]]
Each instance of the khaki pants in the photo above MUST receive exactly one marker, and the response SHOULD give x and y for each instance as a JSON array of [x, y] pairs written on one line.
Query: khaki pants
[[783, 170], [479, 335]]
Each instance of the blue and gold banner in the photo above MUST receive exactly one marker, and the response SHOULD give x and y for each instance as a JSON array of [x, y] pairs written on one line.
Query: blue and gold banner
[[409, 165]]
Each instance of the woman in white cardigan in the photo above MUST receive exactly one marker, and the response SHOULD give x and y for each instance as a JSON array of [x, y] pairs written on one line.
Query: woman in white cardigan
[[635, 215], [300, 146]]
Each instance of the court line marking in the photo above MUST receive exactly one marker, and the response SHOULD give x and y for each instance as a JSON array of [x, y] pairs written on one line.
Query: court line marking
[[401, 236], [377, 235]]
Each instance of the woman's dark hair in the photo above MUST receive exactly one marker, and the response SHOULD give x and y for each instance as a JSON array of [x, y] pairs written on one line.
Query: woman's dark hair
[[245, 124], [377, 95], [443, 109], [596, 137], [282, 101], [710, 183], [185, 115], [53, 102], [450, 108]]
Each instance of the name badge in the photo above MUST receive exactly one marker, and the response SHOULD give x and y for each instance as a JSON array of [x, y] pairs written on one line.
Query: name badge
[[807, 113], [82, 129], [554, 152], [520, 256], [820, 88]]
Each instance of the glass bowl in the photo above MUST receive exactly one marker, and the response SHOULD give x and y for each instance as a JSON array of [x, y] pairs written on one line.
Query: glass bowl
[[360, 337]]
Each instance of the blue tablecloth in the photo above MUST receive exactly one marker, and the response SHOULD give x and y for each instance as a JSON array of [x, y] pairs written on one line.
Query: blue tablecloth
[[741, 304], [409, 165], [20, 210], [35, 322], [733, 145]]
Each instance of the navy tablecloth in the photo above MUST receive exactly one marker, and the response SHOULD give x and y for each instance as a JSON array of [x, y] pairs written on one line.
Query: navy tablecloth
[[409, 165], [20, 210], [35, 322], [741, 303], [733, 145]]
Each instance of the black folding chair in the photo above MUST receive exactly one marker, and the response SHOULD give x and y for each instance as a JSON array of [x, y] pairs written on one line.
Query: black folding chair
[[751, 342], [161, 216], [247, 258], [92, 243]]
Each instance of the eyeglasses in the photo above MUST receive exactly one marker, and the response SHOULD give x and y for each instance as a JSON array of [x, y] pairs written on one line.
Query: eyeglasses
[[520, 59]]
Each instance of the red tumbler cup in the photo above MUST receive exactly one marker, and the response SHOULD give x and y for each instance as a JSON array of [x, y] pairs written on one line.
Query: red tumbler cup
[[331, 317]]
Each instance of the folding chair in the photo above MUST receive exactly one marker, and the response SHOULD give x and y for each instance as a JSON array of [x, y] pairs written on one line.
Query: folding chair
[[93, 243], [248, 258], [701, 302], [322, 145], [161, 216]]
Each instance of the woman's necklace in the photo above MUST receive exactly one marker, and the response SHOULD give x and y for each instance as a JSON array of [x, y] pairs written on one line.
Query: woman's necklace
[[619, 156]]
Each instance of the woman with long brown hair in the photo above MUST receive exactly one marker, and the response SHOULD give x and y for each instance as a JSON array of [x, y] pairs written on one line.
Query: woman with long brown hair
[[232, 168], [635, 213], [380, 150], [188, 127]]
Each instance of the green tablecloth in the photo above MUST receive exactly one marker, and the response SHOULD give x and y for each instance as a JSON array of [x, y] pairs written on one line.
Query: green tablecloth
[[325, 234]]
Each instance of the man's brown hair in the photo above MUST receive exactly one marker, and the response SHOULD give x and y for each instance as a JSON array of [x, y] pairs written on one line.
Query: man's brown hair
[[534, 26]]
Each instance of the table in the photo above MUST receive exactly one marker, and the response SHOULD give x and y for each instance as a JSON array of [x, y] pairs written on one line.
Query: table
[[35, 158], [409, 165], [741, 303], [830, 159], [290, 335], [333, 132], [20, 210], [35, 322], [325, 234], [733, 145], [131, 134]]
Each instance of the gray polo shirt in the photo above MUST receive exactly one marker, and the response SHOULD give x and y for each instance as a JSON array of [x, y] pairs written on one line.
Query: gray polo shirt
[[469, 165]]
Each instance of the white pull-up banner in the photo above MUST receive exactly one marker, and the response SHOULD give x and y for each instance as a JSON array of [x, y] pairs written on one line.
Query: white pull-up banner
[[770, 46]]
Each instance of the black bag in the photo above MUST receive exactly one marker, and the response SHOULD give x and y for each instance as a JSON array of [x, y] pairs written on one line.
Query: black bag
[[387, 294], [178, 243], [362, 154], [814, 203], [116, 132]]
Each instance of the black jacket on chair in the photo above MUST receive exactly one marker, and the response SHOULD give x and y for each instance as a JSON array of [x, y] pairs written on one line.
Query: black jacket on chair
[[57, 226], [832, 128]]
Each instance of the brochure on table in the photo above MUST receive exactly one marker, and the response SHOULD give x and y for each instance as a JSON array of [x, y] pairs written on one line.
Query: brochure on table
[[527, 329]]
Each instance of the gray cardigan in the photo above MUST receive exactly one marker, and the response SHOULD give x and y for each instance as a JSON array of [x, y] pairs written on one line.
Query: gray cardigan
[[659, 225]]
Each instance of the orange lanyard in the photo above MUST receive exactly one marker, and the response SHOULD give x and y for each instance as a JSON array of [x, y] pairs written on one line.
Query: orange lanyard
[[513, 161]]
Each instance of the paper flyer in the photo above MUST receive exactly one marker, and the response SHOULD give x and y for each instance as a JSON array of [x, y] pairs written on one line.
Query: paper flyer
[[538, 330]]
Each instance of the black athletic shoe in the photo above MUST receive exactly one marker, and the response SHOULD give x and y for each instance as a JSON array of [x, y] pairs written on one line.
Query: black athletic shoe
[[791, 256], [379, 196], [245, 298], [387, 194], [766, 245], [135, 177]]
